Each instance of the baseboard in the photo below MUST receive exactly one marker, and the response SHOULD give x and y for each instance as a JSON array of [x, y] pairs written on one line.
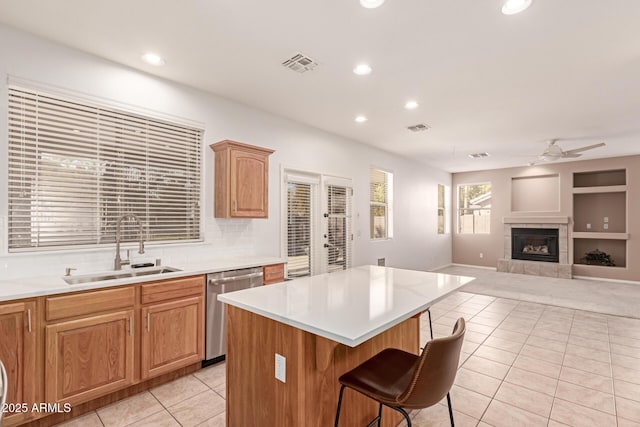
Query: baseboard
[[605, 279], [440, 267], [483, 267]]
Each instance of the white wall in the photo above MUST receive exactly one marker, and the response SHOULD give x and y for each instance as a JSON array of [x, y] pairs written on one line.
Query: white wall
[[415, 244]]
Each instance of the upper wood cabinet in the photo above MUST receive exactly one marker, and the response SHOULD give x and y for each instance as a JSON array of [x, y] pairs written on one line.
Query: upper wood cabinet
[[241, 180], [18, 341]]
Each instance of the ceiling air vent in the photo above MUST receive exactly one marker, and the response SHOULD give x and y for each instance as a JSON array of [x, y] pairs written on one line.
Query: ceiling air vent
[[478, 155], [419, 127], [300, 63]]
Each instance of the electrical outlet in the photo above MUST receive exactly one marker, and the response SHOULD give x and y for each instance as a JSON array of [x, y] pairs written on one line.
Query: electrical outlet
[[481, 255], [381, 262], [588, 226], [606, 219], [281, 368], [606, 226]]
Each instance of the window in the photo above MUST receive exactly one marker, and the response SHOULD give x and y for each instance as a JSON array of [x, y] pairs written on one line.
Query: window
[[474, 208], [76, 168], [444, 199], [299, 228], [381, 204]]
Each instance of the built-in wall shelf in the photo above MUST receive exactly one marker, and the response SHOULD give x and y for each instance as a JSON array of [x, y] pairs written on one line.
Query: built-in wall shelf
[[603, 178], [600, 189], [600, 235], [587, 267], [599, 219]]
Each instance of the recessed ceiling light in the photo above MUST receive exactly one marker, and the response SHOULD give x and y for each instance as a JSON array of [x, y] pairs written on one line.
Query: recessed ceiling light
[[411, 105], [511, 7], [478, 155], [362, 69], [153, 59], [360, 119], [371, 4]]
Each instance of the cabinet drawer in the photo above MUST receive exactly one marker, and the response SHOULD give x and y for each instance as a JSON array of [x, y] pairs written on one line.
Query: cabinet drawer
[[273, 273], [89, 302], [172, 289]]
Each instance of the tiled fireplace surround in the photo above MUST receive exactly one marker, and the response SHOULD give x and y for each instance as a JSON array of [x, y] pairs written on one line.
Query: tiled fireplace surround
[[561, 269]]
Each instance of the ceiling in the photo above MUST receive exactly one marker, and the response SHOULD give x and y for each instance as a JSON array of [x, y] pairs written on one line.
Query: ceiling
[[485, 82]]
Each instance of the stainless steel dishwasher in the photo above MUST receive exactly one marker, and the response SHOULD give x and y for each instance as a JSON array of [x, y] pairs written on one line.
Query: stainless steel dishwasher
[[221, 283]]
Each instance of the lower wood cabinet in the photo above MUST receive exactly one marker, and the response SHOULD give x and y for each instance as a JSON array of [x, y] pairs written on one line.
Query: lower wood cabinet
[[76, 347], [89, 357], [273, 273], [18, 352], [172, 336]]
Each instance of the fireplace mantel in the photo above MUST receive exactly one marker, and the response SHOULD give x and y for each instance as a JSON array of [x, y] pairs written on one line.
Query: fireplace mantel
[[535, 220]]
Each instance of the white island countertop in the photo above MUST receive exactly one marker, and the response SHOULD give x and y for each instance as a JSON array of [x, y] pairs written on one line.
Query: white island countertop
[[349, 306]]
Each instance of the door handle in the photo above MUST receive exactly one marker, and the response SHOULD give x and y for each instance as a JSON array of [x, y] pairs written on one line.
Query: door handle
[[233, 278]]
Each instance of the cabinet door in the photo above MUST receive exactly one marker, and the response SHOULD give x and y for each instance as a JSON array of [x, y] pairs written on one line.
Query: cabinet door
[[173, 336], [18, 354], [273, 273], [249, 184], [89, 357]]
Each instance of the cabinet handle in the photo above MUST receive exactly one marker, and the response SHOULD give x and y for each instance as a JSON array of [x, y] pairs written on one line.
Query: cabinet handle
[[130, 326], [235, 206], [148, 320], [29, 320]]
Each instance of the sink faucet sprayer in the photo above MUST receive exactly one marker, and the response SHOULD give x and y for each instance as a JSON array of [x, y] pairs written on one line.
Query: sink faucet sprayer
[[119, 262]]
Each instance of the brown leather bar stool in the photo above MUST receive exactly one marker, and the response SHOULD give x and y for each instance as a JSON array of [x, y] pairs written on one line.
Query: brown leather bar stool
[[398, 379]]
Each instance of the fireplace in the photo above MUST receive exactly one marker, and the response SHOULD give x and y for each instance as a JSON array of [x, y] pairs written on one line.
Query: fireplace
[[534, 244]]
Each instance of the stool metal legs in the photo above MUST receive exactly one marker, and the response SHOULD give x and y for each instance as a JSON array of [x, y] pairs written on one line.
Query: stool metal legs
[[339, 405], [448, 394], [377, 419]]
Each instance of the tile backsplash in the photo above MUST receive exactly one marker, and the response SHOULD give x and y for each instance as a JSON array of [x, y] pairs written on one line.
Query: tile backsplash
[[222, 239]]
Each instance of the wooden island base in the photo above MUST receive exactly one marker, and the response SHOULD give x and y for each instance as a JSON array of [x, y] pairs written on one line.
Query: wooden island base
[[313, 365]]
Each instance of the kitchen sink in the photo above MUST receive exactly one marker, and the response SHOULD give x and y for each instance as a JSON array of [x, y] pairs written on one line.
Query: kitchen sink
[[111, 275]]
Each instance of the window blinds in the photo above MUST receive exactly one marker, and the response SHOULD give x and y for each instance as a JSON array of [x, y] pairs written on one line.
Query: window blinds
[[299, 232], [74, 169], [339, 228]]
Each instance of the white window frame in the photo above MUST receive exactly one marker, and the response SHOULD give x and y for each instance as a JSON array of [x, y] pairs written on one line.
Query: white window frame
[[459, 208], [446, 209], [388, 205], [72, 135]]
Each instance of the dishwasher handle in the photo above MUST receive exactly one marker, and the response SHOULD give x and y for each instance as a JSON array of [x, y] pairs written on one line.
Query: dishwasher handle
[[215, 281]]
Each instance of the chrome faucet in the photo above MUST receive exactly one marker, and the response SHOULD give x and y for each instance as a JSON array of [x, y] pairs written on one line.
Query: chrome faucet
[[119, 262]]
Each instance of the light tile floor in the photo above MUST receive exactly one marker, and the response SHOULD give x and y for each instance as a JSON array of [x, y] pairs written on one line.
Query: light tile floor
[[522, 364]]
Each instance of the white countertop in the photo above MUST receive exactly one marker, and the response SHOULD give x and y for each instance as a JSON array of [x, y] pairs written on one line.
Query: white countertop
[[48, 285], [348, 306]]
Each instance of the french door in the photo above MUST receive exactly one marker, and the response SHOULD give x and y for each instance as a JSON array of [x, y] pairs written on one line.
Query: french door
[[318, 236]]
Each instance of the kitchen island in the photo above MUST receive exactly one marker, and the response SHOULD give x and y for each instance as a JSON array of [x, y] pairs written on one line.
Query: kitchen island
[[323, 326]]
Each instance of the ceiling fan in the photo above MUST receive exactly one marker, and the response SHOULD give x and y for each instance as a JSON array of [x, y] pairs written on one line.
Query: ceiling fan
[[554, 152]]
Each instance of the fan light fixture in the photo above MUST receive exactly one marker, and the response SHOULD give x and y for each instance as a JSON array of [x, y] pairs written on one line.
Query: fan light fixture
[[371, 4], [153, 59], [511, 7]]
